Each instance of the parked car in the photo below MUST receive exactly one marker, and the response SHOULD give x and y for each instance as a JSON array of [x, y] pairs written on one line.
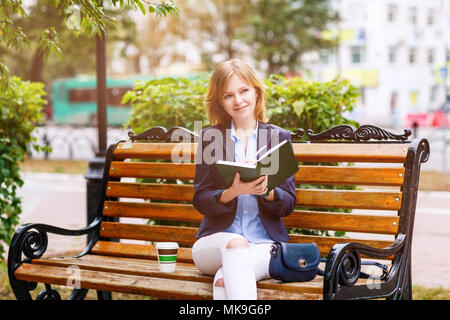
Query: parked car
[[434, 118]]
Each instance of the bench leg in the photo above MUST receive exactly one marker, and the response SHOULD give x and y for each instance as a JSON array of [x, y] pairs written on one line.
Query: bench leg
[[407, 288], [104, 295], [78, 294]]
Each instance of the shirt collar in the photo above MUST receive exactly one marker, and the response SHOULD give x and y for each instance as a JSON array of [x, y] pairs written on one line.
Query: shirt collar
[[233, 130]]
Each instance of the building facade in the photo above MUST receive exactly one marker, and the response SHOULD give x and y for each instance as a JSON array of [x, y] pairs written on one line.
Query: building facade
[[395, 51]]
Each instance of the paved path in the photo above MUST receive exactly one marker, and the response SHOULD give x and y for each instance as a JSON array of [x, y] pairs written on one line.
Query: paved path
[[60, 199]]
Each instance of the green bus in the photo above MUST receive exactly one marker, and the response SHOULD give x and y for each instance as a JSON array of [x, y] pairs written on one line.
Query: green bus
[[74, 100]]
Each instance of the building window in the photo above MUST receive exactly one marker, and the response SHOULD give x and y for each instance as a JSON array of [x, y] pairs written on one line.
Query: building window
[[430, 17], [392, 54], [392, 13], [433, 93], [393, 102], [412, 55], [357, 54], [413, 15], [430, 56], [324, 57], [413, 98]]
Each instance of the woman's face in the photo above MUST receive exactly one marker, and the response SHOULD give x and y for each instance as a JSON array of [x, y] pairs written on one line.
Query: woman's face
[[239, 99]]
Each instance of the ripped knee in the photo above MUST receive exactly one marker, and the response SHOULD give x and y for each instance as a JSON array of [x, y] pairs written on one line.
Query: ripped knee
[[237, 243], [219, 283]]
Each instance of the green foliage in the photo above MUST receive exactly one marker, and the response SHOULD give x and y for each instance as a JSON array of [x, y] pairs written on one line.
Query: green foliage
[[291, 103], [166, 102], [295, 103], [279, 32], [20, 112]]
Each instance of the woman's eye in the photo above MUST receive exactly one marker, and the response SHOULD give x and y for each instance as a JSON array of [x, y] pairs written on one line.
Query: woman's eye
[[227, 96], [244, 90]]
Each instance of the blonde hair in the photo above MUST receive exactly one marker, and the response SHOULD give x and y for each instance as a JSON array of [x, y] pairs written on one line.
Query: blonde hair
[[217, 84]]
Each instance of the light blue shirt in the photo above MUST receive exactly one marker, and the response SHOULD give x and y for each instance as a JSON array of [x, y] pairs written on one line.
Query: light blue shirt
[[247, 222]]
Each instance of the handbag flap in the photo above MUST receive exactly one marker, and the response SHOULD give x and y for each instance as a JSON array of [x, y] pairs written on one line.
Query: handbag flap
[[300, 256]]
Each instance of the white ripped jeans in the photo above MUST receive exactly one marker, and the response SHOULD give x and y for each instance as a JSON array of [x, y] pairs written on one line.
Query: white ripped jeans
[[240, 268]]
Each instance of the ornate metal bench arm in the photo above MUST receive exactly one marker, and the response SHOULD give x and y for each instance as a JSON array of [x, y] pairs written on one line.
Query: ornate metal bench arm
[[343, 268], [31, 240]]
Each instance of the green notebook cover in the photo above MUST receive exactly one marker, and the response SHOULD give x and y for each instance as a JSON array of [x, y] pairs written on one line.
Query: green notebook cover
[[278, 164]]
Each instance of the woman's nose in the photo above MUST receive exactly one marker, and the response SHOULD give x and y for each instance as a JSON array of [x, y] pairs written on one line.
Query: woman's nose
[[238, 99]]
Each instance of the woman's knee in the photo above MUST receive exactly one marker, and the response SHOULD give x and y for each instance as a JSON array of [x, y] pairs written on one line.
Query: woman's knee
[[237, 243], [219, 283]]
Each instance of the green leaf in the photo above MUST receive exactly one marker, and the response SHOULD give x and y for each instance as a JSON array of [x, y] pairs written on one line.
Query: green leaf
[[141, 6]]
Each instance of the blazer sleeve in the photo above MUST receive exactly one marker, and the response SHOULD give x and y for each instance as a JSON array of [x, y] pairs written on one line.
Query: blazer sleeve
[[285, 195], [206, 192]]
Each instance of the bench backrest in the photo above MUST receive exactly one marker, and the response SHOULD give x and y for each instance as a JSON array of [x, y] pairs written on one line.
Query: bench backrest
[[379, 188]]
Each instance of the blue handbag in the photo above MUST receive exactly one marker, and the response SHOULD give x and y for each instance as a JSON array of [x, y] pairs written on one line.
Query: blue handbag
[[294, 261]]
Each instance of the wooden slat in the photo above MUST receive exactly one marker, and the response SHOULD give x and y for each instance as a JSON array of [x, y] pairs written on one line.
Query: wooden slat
[[298, 219], [174, 192], [186, 235], [155, 150], [152, 170], [305, 197], [335, 175], [306, 174], [143, 285], [136, 250], [351, 199], [342, 222], [184, 271], [150, 210], [322, 152], [351, 152]]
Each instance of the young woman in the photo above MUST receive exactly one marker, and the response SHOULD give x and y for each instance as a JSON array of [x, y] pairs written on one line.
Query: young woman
[[235, 235]]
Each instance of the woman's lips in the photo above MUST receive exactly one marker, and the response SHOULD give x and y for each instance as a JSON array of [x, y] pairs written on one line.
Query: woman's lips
[[241, 108]]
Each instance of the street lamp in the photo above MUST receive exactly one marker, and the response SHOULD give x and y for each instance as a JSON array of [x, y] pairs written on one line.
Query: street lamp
[[94, 173]]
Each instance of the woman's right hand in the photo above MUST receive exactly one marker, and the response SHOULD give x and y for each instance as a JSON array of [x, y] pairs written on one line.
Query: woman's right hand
[[257, 187]]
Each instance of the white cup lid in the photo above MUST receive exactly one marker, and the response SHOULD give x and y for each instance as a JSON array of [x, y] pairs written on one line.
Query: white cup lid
[[166, 245]]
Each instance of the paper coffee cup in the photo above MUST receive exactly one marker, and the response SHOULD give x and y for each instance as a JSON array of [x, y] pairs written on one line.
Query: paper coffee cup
[[167, 256]]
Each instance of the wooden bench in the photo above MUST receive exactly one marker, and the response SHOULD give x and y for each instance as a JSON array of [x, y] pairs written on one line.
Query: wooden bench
[[380, 227]]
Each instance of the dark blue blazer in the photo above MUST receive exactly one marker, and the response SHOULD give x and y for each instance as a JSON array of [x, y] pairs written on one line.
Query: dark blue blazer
[[209, 185]]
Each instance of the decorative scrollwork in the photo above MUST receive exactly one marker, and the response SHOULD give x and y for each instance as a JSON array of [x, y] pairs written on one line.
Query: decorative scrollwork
[[363, 133], [424, 150], [298, 134], [48, 294], [34, 244], [349, 268], [174, 134]]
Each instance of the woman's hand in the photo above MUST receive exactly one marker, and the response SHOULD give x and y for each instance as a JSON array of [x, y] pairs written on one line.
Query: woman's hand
[[256, 187]]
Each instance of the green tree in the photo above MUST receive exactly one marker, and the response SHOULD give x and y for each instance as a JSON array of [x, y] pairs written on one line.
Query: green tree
[[279, 32]]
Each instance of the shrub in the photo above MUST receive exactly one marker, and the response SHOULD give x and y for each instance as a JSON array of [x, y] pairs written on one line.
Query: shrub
[[291, 103], [21, 111]]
